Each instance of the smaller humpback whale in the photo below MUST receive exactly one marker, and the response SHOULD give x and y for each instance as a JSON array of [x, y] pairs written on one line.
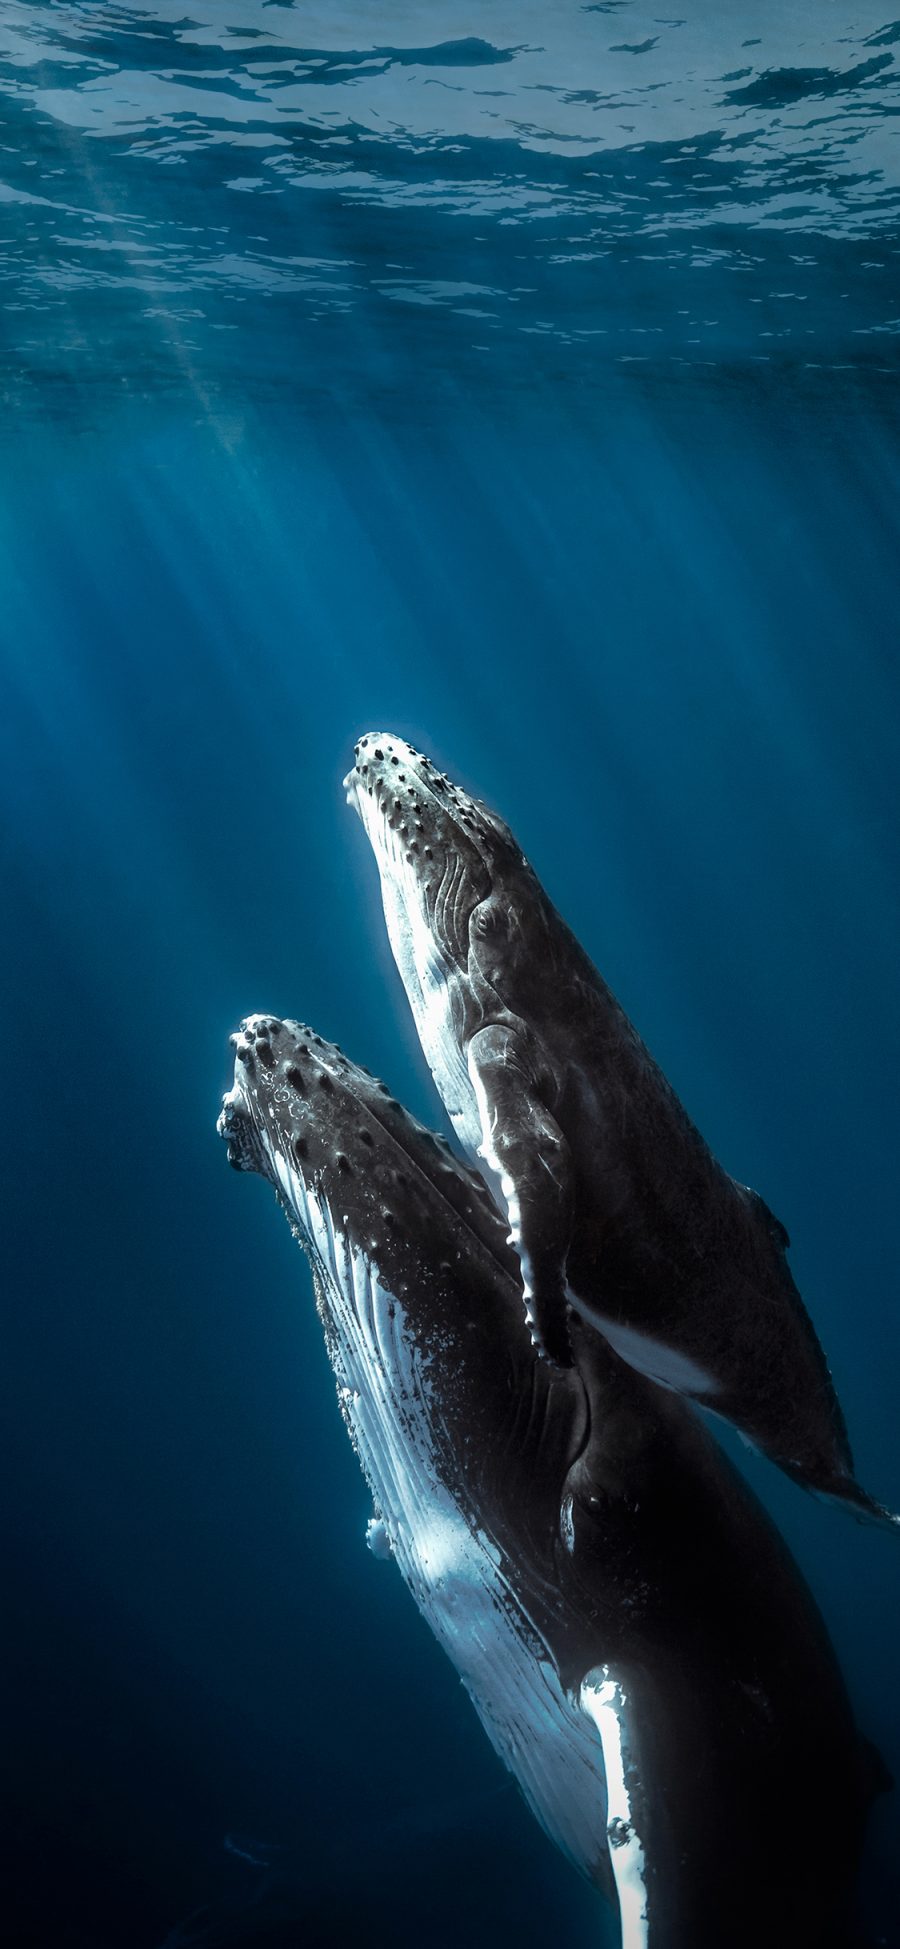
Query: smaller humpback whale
[[616, 1206], [636, 1640]]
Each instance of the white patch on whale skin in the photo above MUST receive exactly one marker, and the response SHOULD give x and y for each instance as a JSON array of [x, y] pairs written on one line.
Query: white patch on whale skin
[[651, 1357], [567, 1525], [377, 1539], [603, 1700], [455, 1571]]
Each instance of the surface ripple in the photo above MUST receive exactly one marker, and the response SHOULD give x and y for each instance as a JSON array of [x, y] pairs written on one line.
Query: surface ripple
[[254, 190]]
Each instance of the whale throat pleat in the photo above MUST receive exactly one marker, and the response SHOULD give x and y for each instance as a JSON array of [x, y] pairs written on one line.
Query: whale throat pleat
[[453, 1569]]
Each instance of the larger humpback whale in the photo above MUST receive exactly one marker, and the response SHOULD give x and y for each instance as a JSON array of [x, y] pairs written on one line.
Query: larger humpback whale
[[615, 1203], [634, 1636]]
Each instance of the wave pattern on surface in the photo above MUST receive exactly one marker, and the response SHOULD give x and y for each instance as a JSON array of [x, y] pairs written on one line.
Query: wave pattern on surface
[[235, 194]]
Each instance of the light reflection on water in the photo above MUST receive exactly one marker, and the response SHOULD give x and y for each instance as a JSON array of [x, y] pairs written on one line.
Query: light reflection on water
[[262, 192]]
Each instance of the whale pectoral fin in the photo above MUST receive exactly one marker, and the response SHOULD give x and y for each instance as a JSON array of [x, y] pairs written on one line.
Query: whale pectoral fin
[[523, 1144], [604, 1698]]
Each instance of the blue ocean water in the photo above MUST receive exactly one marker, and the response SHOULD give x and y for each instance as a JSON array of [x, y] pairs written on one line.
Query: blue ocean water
[[522, 379]]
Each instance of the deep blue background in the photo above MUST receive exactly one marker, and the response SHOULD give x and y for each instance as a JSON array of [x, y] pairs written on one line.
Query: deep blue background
[[665, 648], [564, 444]]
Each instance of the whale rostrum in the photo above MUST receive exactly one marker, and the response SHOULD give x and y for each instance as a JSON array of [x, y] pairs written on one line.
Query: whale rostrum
[[616, 1206], [635, 1638]]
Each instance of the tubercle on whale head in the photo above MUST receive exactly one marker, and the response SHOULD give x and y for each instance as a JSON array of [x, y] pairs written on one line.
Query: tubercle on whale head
[[439, 850], [469, 924], [301, 1114], [294, 1093]]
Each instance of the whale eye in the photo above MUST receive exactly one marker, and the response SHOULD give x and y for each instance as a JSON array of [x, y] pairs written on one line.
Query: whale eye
[[488, 918]]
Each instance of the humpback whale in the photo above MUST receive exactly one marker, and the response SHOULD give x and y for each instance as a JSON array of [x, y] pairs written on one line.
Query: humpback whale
[[616, 1206], [635, 1638]]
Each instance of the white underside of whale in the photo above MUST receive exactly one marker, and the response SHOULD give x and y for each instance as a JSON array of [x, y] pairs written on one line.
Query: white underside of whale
[[454, 1569], [430, 981]]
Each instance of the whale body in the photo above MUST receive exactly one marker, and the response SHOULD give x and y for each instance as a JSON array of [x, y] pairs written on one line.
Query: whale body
[[616, 1205], [636, 1640]]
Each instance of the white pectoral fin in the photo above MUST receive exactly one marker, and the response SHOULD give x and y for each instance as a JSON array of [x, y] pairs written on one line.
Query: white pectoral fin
[[604, 1698], [527, 1153]]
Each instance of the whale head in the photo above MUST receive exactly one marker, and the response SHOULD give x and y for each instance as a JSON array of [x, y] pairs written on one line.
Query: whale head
[[348, 1162], [463, 909], [441, 851]]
